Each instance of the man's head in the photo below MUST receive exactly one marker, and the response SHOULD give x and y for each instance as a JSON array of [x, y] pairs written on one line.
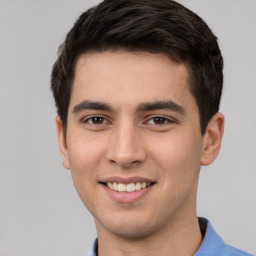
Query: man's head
[[137, 86], [153, 26]]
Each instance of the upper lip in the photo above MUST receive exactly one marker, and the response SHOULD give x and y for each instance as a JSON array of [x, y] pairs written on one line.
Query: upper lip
[[126, 180]]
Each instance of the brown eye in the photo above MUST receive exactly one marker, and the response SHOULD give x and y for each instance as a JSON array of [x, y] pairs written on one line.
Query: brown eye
[[97, 120], [159, 120]]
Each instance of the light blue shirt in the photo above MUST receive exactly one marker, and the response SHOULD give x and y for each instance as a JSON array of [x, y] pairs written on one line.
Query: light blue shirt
[[212, 244]]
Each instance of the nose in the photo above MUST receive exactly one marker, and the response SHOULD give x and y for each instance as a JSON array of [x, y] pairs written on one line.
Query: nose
[[126, 148]]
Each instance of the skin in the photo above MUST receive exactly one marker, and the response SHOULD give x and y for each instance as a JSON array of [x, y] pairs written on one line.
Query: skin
[[125, 139]]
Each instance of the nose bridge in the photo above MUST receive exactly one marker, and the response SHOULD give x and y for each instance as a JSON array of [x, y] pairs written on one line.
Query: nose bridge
[[126, 146]]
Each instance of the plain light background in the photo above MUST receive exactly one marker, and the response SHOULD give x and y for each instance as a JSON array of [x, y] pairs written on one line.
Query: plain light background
[[40, 212]]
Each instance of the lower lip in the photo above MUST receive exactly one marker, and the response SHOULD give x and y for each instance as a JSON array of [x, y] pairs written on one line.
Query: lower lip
[[127, 197]]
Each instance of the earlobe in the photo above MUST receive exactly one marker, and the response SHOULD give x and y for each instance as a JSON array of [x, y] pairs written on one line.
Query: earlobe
[[212, 139], [62, 143]]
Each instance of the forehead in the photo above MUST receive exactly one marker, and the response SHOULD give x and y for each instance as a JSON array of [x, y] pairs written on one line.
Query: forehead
[[130, 63], [129, 77]]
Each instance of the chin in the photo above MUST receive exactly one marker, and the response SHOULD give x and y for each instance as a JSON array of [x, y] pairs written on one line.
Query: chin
[[131, 232], [128, 228]]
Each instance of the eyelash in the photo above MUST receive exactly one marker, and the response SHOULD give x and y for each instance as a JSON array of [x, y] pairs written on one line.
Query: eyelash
[[160, 118], [87, 120], [165, 121]]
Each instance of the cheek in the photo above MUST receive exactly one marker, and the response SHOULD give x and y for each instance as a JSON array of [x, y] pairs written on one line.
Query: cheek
[[83, 163], [178, 155], [84, 151], [179, 162], [85, 157]]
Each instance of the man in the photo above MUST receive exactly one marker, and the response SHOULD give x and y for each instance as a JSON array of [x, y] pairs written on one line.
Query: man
[[137, 87]]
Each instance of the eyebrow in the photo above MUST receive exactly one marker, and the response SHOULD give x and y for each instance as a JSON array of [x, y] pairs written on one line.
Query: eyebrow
[[166, 105], [96, 105]]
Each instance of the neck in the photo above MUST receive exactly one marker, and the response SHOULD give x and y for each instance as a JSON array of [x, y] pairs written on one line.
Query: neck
[[180, 238]]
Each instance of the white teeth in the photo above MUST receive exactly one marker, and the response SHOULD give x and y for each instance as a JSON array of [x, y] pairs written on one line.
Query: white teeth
[[121, 187], [110, 185], [138, 186], [131, 187], [115, 186]]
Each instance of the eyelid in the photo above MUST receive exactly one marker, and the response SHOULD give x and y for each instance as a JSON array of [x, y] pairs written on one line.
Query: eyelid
[[169, 120], [106, 120], [85, 120]]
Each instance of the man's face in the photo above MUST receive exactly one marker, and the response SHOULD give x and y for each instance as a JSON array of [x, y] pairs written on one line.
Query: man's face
[[132, 120]]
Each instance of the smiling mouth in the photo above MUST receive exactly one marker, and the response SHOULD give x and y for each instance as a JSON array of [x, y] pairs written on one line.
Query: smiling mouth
[[131, 187]]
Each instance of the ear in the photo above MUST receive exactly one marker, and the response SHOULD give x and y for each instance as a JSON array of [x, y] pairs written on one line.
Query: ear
[[212, 139], [62, 142]]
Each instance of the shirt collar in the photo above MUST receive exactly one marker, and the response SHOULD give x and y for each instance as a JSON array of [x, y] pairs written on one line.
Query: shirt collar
[[94, 248], [212, 242]]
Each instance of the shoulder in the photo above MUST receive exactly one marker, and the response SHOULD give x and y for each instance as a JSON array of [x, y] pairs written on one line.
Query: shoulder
[[229, 250], [213, 244]]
